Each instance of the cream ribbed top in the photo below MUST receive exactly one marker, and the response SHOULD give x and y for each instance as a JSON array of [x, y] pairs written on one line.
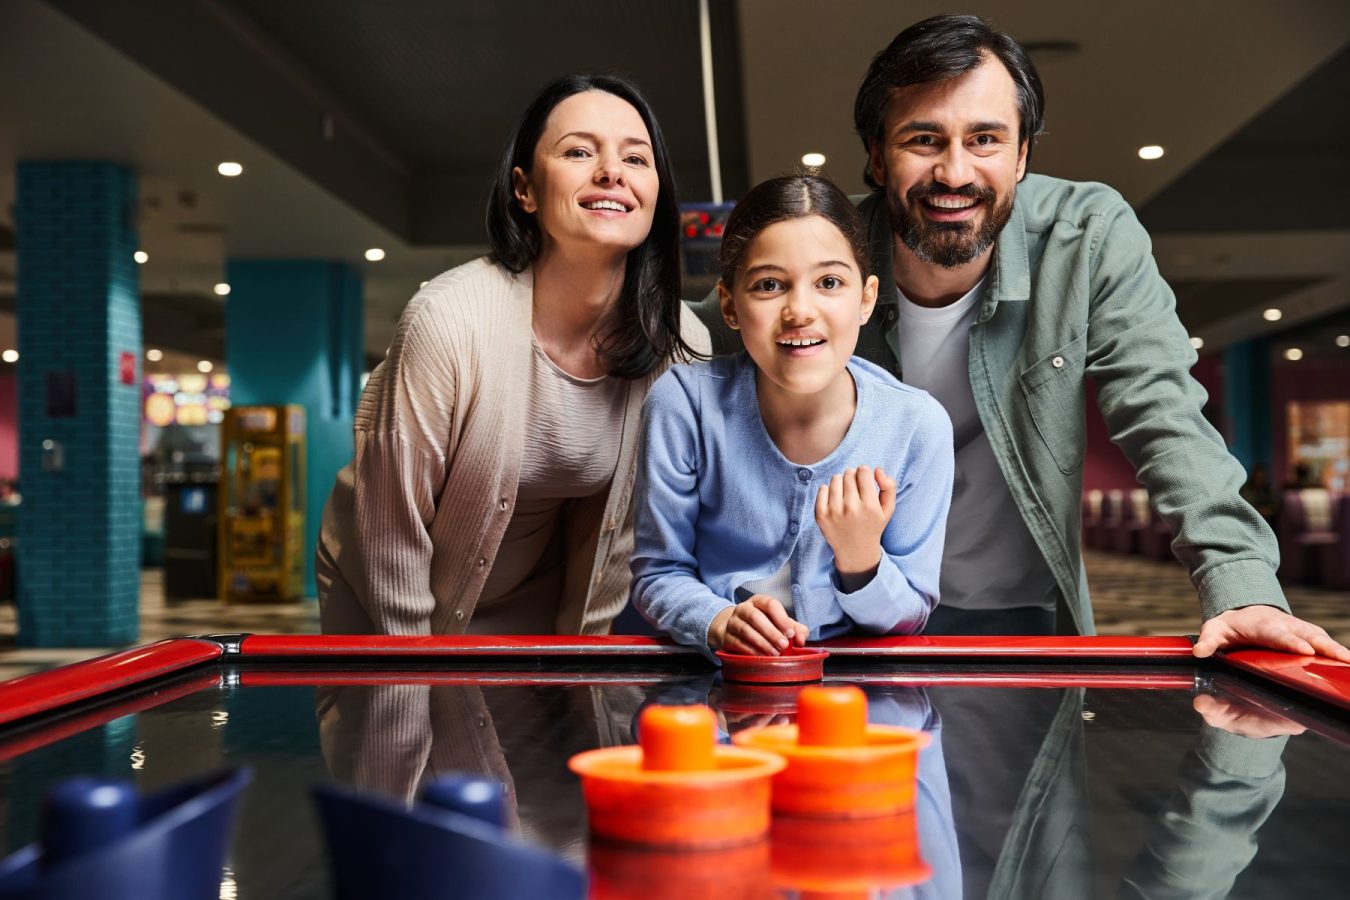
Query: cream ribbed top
[[415, 522], [572, 432]]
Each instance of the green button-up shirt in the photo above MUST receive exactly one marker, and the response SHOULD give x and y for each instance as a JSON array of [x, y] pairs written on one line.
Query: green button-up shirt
[[1074, 292]]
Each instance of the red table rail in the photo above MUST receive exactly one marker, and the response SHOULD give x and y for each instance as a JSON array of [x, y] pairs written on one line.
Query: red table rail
[[41, 692], [32, 695], [333, 645]]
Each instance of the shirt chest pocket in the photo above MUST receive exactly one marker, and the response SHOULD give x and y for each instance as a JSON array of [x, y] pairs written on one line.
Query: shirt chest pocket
[[1054, 392]]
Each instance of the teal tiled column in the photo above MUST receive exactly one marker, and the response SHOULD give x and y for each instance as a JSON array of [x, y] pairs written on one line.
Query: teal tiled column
[[79, 321], [293, 334]]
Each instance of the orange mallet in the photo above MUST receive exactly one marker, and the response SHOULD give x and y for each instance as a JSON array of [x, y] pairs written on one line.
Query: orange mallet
[[678, 788], [838, 765]]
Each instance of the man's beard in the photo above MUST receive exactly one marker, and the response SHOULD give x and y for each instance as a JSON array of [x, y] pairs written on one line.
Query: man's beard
[[947, 244]]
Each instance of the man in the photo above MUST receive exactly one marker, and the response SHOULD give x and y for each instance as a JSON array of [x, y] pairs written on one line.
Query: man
[[1003, 291]]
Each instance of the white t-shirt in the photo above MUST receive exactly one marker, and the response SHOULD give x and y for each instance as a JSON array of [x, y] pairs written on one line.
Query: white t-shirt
[[991, 560]]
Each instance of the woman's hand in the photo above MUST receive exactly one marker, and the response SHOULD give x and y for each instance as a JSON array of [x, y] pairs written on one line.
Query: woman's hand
[[852, 512], [758, 625]]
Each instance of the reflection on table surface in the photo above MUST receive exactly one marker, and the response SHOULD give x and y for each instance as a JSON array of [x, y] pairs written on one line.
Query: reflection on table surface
[[1063, 792]]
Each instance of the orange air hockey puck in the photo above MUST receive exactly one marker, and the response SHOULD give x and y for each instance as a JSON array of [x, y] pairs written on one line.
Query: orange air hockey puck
[[621, 872], [839, 766], [847, 856], [677, 788], [795, 665]]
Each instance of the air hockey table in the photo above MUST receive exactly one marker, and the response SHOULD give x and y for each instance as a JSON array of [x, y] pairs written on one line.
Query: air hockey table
[[1060, 767]]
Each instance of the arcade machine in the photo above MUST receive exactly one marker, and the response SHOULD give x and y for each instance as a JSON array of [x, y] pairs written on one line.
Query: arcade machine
[[262, 504], [701, 227]]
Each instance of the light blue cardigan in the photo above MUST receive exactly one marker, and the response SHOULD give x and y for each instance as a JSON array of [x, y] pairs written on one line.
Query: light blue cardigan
[[717, 505]]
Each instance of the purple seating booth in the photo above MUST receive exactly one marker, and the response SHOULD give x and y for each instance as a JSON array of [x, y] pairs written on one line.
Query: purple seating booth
[[1333, 556], [1092, 514], [1135, 518], [1099, 535], [1307, 531]]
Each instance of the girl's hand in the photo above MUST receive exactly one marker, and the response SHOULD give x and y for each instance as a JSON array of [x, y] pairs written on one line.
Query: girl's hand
[[758, 626], [852, 512]]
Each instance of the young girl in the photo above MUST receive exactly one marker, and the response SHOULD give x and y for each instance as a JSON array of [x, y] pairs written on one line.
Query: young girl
[[810, 486]]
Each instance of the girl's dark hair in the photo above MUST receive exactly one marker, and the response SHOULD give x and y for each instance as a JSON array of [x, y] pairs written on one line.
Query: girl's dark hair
[[937, 49], [643, 329], [790, 197]]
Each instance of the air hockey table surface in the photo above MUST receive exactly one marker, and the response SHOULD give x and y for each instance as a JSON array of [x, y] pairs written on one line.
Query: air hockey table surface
[[1060, 767]]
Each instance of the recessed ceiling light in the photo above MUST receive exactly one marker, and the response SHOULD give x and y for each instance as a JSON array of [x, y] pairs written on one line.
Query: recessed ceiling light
[[205, 366], [230, 169], [1197, 342], [1343, 340], [374, 254], [141, 257], [1272, 315], [1293, 354], [154, 355], [814, 160], [222, 289], [1152, 151], [10, 356]]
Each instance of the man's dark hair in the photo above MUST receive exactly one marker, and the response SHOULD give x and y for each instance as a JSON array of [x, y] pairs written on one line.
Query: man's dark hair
[[937, 49], [644, 326]]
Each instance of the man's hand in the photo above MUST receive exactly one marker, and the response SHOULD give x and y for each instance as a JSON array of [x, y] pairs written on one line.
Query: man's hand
[[1267, 627], [852, 512], [759, 625], [1243, 719]]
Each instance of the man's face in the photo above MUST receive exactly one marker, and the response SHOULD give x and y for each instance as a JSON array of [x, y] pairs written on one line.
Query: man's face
[[949, 161]]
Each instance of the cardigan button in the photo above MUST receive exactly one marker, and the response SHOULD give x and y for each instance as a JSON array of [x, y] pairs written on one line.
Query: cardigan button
[[482, 561], [502, 504], [792, 528], [803, 475], [1057, 362], [459, 614]]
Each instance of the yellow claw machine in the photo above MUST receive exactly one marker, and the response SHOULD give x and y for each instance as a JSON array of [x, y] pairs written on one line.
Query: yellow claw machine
[[262, 503]]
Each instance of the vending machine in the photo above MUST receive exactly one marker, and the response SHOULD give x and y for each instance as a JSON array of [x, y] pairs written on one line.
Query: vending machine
[[262, 503]]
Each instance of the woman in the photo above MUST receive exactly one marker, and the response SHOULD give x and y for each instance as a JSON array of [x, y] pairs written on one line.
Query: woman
[[495, 445]]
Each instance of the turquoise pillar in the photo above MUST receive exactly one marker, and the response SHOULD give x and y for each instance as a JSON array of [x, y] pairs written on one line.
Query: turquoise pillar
[[79, 321], [1246, 401], [293, 334]]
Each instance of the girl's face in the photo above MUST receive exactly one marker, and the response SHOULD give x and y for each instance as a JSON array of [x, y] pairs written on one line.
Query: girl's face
[[798, 302], [593, 180]]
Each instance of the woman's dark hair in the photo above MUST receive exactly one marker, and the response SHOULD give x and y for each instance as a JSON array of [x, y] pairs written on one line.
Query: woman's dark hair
[[643, 328], [790, 197], [937, 49]]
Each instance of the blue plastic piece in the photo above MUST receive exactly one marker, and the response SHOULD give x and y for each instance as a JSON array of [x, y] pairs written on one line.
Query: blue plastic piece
[[83, 814], [379, 848], [100, 839], [477, 798]]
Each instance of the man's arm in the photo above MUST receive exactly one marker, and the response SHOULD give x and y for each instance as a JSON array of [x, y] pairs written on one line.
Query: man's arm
[[1140, 357], [1205, 837]]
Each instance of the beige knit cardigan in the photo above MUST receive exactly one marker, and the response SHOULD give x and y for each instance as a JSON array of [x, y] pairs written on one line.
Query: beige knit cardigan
[[413, 525]]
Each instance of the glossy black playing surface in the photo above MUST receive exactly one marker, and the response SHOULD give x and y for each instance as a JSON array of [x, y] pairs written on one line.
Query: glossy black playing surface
[[1054, 790]]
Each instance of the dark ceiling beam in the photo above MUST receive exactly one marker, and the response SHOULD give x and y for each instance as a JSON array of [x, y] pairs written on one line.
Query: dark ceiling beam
[[184, 323], [1205, 302], [213, 53], [449, 208], [1287, 169]]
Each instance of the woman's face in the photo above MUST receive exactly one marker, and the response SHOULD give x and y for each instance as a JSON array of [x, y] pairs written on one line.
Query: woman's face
[[593, 180], [798, 302]]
